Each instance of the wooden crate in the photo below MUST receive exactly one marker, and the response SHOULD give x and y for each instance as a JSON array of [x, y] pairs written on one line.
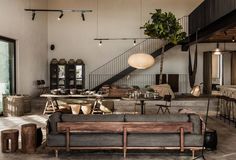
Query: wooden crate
[[13, 106]]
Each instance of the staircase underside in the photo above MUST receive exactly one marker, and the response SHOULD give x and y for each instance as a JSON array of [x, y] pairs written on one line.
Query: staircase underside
[[204, 34], [129, 70]]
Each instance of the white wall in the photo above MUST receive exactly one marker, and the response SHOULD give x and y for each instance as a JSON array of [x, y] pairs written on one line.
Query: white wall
[[31, 37], [73, 38]]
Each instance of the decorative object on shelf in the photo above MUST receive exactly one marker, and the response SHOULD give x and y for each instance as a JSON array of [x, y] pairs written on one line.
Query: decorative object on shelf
[[75, 108], [80, 74], [62, 65], [60, 11], [166, 27], [86, 108]]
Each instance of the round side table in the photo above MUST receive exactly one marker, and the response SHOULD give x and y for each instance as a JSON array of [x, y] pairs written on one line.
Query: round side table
[[28, 137], [9, 139]]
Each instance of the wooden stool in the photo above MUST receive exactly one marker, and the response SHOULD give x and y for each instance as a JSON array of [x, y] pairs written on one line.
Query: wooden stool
[[9, 140], [28, 137]]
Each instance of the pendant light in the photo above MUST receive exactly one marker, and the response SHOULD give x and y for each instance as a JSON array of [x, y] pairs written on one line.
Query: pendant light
[[217, 50], [141, 60]]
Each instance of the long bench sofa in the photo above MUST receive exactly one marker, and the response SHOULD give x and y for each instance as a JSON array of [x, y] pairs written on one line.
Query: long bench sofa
[[174, 131]]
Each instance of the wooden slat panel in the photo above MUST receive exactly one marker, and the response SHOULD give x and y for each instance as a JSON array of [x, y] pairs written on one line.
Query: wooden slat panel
[[159, 128], [141, 127], [91, 126]]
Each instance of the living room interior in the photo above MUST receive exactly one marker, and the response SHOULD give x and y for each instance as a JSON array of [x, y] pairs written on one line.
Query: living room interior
[[118, 79]]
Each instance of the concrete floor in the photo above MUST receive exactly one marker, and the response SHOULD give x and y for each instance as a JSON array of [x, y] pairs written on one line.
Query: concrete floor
[[226, 141]]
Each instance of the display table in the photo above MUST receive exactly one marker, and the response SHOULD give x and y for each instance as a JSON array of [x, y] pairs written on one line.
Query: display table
[[51, 104]]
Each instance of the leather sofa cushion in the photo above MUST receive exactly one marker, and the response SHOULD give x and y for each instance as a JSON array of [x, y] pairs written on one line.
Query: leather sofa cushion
[[197, 125], [92, 118], [163, 140], [157, 118], [53, 119], [86, 139]]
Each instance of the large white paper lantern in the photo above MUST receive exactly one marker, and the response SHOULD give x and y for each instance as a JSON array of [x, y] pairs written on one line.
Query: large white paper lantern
[[141, 60]]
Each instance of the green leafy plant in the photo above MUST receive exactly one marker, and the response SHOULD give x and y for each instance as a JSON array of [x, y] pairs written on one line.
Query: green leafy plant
[[165, 26]]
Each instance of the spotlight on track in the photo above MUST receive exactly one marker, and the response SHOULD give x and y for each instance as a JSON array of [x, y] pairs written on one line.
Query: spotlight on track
[[61, 15], [33, 15], [82, 15]]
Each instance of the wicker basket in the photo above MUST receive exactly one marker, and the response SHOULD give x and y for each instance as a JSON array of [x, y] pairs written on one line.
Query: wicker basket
[[27, 104], [13, 106]]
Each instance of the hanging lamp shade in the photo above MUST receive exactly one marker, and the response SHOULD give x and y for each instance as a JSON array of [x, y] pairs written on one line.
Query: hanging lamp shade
[[141, 60], [196, 91]]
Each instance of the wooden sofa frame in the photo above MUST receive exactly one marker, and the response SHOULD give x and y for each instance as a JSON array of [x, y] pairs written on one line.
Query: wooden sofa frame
[[124, 128]]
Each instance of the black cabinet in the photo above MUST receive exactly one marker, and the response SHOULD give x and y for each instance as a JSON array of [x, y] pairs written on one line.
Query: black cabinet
[[54, 74], [80, 74], [67, 75], [71, 78], [62, 65]]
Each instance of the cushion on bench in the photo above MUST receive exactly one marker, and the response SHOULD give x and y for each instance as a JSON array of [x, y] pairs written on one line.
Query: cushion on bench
[[86, 140], [163, 140], [92, 118], [157, 118], [53, 119]]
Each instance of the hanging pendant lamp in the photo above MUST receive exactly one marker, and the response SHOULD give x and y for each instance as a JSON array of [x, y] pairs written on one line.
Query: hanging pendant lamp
[[141, 60]]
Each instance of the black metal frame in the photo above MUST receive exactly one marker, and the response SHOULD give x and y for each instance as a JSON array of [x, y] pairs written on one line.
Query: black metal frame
[[202, 153], [12, 79]]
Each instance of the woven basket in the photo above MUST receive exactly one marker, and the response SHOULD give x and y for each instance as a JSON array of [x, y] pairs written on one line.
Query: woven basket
[[13, 106], [27, 104]]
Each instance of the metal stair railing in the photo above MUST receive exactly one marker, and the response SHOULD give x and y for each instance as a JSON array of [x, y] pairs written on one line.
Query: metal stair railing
[[119, 63]]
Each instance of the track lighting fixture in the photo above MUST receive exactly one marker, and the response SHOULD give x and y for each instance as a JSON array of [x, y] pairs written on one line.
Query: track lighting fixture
[[134, 42], [100, 43], [62, 11], [33, 15], [61, 15], [233, 39], [82, 15]]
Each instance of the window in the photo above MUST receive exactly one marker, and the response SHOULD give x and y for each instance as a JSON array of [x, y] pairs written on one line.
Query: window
[[7, 68]]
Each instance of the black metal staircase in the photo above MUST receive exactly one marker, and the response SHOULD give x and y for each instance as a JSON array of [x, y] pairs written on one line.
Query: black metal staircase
[[128, 70], [209, 17], [118, 67]]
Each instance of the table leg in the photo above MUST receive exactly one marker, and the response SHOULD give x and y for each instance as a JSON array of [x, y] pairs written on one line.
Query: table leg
[[50, 107], [142, 106]]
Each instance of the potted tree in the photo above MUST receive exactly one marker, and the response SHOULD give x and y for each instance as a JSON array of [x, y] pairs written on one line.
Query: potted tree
[[164, 26]]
